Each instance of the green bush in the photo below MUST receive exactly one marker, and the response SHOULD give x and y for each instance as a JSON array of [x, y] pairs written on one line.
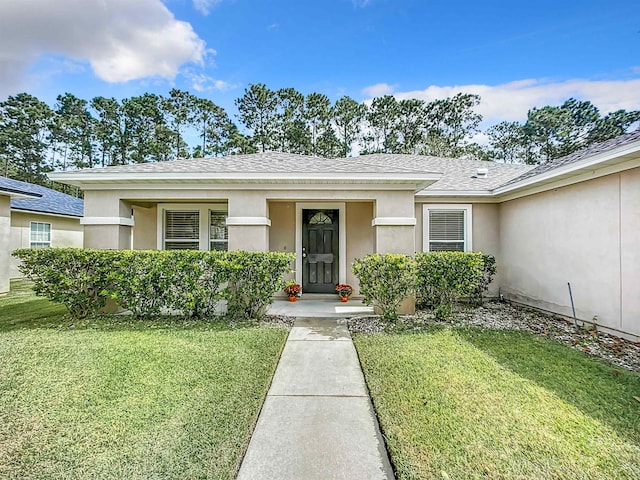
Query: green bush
[[73, 277], [199, 281], [153, 282], [488, 271], [254, 278], [141, 281], [443, 277], [385, 281]]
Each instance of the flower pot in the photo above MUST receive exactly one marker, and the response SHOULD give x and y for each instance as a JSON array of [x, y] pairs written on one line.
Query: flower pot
[[344, 298], [293, 298]]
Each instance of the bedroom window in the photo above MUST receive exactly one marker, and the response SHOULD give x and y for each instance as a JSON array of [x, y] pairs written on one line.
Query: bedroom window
[[447, 228], [192, 227], [40, 235]]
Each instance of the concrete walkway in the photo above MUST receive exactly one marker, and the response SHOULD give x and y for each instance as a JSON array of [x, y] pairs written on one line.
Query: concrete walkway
[[317, 421]]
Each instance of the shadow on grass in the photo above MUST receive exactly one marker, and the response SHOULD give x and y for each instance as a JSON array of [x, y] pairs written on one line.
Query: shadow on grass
[[597, 388], [24, 311]]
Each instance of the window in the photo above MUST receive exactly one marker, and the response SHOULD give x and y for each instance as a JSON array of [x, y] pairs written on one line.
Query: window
[[181, 230], [218, 234], [192, 226], [447, 228], [40, 235]]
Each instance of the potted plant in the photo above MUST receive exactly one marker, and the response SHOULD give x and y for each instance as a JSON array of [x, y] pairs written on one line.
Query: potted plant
[[344, 290], [292, 290]]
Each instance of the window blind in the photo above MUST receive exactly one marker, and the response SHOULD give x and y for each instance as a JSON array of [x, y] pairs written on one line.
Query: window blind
[[181, 230], [446, 230]]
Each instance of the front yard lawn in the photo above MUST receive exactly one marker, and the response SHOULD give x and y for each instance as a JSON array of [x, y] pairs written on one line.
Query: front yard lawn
[[117, 398], [467, 402]]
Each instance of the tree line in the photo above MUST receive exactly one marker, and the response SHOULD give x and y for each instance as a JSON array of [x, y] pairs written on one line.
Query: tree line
[[75, 133]]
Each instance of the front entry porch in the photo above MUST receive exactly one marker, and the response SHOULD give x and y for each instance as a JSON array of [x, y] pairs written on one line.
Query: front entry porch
[[316, 306]]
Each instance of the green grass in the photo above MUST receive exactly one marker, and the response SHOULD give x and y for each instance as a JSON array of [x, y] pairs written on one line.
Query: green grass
[[470, 403], [116, 398]]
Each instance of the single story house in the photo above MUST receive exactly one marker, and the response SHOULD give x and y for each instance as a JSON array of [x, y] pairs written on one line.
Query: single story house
[[33, 216], [576, 219]]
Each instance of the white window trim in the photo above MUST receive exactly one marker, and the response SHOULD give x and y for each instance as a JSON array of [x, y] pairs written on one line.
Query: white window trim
[[202, 208], [50, 233], [468, 222]]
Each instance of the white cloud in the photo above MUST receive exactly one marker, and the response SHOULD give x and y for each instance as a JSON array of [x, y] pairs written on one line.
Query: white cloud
[[203, 83], [511, 101], [360, 3], [121, 40], [205, 6], [379, 89]]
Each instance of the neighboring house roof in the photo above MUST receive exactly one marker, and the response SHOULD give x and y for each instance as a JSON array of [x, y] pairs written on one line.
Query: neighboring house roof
[[43, 199]]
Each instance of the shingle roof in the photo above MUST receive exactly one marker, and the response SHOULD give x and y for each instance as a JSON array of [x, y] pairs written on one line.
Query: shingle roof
[[458, 174], [267, 162], [47, 201], [579, 155]]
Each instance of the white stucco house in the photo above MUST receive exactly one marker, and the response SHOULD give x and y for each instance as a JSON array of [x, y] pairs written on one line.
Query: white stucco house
[[574, 220], [33, 216]]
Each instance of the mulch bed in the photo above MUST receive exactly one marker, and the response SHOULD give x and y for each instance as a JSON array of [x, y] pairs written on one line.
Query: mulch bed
[[503, 316]]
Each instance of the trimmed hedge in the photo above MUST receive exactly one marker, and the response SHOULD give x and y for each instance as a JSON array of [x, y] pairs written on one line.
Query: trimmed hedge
[[443, 277], [254, 278], [151, 282], [73, 277], [385, 281], [436, 278]]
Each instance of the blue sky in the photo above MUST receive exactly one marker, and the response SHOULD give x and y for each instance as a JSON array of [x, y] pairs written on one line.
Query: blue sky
[[516, 55]]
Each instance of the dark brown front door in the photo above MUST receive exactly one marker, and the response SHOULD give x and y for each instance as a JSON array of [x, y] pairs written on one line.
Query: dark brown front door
[[320, 246]]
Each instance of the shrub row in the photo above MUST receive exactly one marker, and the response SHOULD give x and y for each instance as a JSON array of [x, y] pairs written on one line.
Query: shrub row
[[151, 282], [436, 279]]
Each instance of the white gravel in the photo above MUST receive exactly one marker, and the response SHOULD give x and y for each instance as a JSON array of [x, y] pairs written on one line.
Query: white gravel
[[503, 316]]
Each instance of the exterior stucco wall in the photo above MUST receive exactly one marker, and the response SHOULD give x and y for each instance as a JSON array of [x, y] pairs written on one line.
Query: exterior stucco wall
[[586, 234], [360, 237], [282, 233], [65, 232], [486, 226], [145, 229], [630, 249], [5, 251]]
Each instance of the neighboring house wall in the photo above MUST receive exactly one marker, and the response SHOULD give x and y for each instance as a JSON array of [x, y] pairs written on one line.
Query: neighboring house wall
[[587, 234], [65, 232], [5, 251]]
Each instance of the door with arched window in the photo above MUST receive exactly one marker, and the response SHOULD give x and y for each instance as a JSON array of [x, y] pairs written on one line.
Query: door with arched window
[[320, 247]]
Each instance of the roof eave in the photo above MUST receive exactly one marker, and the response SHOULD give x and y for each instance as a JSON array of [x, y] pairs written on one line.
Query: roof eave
[[600, 160], [51, 214], [418, 181], [15, 193]]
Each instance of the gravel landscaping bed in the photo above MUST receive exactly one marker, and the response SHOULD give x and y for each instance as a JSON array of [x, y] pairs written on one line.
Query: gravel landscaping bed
[[503, 316]]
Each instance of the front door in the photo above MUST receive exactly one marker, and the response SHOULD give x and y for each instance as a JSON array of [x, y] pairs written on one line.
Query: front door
[[320, 246]]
